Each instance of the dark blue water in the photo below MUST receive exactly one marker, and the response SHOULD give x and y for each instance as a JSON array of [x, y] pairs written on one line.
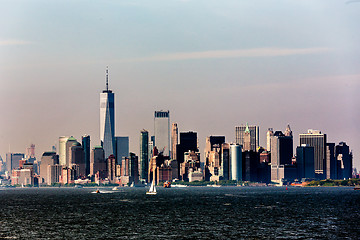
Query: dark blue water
[[205, 212]]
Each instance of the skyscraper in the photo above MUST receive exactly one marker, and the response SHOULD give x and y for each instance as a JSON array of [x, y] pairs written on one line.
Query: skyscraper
[[344, 156], [162, 131], [269, 134], [316, 139], [62, 150], [86, 147], [144, 154], [107, 119], [305, 161], [121, 148], [174, 140], [235, 162], [254, 136]]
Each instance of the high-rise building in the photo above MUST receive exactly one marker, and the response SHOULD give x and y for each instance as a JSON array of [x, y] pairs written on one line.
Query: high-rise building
[[236, 162], [77, 157], [107, 119], [174, 140], [188, 142], [344, 157], [47, 159], [86, 147], [144, 154], [247, 139], [254, 136], [269, 134], [13, 161], [62, 150], [331, 163], [162, 131], [122, 148], [69, 143], [134, 167], [316, 139], [97, 160], [111, 168], [305, 161], [225, 161], [281, 156]]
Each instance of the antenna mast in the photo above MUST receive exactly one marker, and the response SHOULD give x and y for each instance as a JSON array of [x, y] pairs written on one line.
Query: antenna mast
[[107, 79]]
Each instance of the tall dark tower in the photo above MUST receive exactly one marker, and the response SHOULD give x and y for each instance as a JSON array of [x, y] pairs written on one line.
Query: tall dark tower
[[86, 147]]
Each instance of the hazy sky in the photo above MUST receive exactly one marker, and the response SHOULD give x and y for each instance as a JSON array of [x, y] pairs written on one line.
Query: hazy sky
[[213, 64]]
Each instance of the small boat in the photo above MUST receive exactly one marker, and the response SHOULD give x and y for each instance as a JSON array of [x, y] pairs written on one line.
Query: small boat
[[115, 188], [97, 191], [179, 186], [152, 190], [167, 184], [357, 188]]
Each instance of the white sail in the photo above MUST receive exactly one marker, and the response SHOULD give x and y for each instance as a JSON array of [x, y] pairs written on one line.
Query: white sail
[[152, 189]]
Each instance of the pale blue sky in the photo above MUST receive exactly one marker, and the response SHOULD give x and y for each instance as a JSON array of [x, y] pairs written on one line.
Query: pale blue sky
[[213, 64]]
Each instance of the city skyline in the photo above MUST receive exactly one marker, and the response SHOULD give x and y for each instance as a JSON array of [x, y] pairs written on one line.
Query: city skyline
[[50, 85]]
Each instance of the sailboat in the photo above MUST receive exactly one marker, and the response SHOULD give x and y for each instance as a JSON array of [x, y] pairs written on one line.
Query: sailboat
[[152, 190]]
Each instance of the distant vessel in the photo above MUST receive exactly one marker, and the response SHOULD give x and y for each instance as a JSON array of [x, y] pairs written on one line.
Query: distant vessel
[[357, 188], [179, 186], [115, 188], [214, 185], [97, 191], [152, 190], [167, 184]]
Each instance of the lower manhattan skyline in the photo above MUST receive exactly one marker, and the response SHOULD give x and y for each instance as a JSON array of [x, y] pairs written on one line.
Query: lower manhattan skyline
[[214, 68]]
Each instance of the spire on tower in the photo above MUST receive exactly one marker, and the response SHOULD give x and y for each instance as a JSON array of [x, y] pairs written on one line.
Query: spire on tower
[[107, 78]]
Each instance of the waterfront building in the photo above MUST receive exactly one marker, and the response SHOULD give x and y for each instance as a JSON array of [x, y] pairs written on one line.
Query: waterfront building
[[305, 161], [111, 168], [344, 159], [316, 139], [53, 173], [97, 160], [162, 131], [122, 148], [107, 119], [225, 161], [236, 162], [254, 136], [134, 167], [188, 142], [331, 163], [47, 159], [78, 157], [281, 156], [281, 148], [191, 163], [250, 164], [86, 146], [174, 140], [212, 155], [144, 155], [69, 143]]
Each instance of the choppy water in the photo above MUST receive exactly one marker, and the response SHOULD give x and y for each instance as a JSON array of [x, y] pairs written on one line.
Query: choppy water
[[181, 213]]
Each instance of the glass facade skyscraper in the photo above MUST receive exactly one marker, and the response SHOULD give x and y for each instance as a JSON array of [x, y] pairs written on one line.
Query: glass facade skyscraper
[[144, 154], [162, 131], [316, 139], [107, 120], [254, 136]]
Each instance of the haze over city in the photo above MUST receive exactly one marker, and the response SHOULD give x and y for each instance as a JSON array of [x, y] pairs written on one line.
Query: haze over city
[[214, 65]]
